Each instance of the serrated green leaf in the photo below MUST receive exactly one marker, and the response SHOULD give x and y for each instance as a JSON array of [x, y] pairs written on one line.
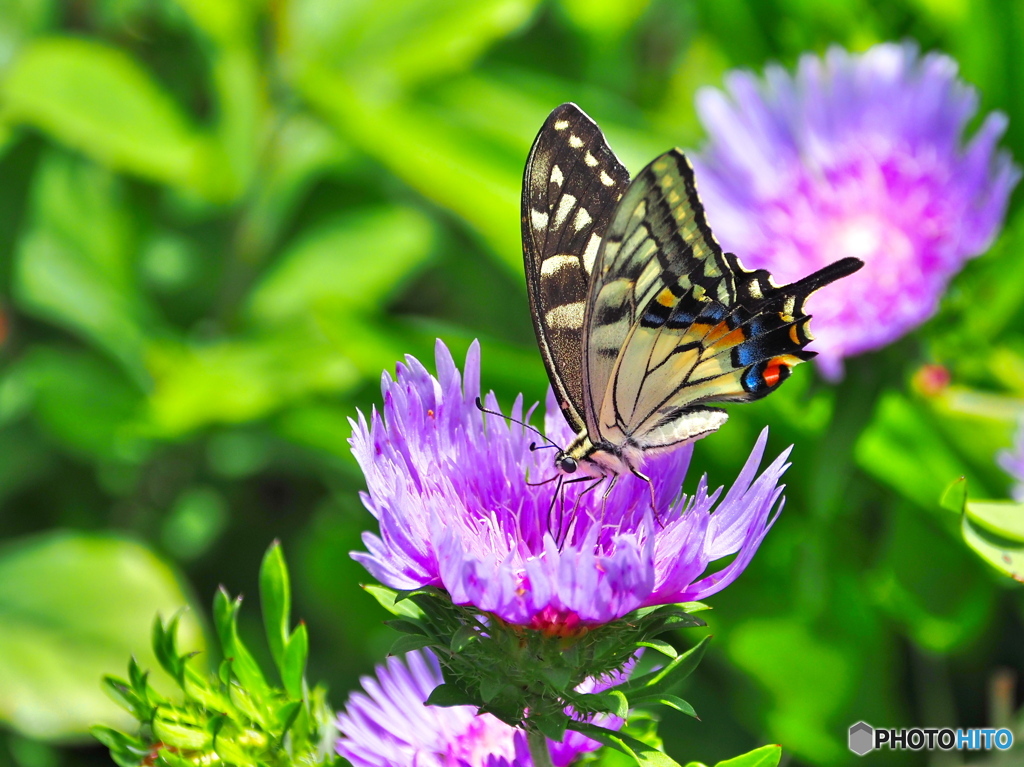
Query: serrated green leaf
[[449, 695], [645, 755], [275, 602]]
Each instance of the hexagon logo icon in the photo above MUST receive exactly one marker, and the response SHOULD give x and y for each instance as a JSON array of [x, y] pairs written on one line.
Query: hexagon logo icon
[[862, 738]]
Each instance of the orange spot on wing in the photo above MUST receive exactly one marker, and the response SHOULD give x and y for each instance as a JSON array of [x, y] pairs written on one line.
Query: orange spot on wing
[[794, 334], [666, 298], [772, 373], [722, 336]]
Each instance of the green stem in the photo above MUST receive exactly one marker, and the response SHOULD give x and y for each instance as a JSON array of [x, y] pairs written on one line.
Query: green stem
[[539, 752]]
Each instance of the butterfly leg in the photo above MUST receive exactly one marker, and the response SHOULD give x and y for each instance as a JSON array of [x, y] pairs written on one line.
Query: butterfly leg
[[650, 486], [559, 535]]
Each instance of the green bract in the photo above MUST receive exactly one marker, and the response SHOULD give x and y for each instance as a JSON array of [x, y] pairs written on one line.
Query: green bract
[[529, 678], [233, 717]]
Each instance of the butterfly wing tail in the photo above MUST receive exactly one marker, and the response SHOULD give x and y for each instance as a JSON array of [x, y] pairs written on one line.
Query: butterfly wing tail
[[834, 271]]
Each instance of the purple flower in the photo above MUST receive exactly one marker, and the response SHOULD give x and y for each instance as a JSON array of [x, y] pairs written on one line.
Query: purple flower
[[449, 487], [1012, 462], [387, 725], [856, 155]]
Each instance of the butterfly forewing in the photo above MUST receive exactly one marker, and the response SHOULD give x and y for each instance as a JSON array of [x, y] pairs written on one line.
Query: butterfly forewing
[[659, 269], [571, 186]]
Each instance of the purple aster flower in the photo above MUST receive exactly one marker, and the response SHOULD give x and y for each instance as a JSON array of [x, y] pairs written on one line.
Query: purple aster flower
[[451, 489], [1012, 462], [856, 155], [387, 725]]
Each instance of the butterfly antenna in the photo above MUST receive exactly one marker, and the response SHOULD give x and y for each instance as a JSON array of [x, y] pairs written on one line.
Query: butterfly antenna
[[538, 432]]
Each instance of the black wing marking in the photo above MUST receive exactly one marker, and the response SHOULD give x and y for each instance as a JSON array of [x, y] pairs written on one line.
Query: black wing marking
[[571, 185]]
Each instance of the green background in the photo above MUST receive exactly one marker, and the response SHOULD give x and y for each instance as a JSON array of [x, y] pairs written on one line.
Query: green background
[[220, 221]]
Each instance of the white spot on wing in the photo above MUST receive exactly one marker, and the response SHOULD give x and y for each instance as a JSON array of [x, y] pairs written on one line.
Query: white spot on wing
[[590, 253], [555, 264], [565, 204], [606, 179], [556, 175], [582, 219], [589, 159], [539, 219], [575, 141], [566, 316], [561, 124]]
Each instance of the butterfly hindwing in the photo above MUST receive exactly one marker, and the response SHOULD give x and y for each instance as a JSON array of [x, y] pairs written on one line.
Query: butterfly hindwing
[[571, 186], [675, 324]]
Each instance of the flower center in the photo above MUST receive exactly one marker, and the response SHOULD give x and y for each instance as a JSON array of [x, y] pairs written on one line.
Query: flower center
[[876, 241]]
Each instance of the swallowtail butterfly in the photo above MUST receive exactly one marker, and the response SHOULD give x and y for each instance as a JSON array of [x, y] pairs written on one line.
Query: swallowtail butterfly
[[642, 320]]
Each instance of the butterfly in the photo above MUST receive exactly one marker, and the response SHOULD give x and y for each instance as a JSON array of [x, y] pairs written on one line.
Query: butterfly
[[642, 320]]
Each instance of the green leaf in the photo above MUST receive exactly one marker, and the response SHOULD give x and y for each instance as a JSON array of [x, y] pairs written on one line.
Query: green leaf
[[666, 678], [275, 601], [942, 609], [100, 101], [75, 607], [903, 448], [293, 666], [645, 755], [415, 41], [408, 643], [954, 497], [74, 265], [616, 703], [63, 383], [765, 756], [414, 143], [416, 628], [557, 676], [1003, 553], [240, 660], [661, 646], [386, 598], [462, 637], [666, 699], [449, 695], [553, 727], [353, 263], [238, 381], [1000, 518]]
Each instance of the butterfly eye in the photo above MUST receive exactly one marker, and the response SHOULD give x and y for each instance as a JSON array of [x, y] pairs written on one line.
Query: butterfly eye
[[567, 464]]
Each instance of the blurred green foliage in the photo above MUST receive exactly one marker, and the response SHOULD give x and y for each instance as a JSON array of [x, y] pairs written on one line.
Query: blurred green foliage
[[220, 221]]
